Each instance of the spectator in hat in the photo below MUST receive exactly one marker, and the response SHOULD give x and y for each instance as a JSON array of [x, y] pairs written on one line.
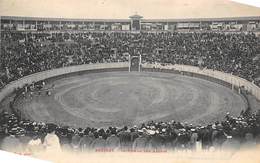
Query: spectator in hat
[[125, 138], [51, 140], [99, 142], [75, 142], [141, 142], [170, 139], [205, 134], [218, 136], [193, 139], [182, 139], [65, 141], [11, 143], [23, 137], [249, 141], [230, 144], [156, 142], [133, 133], [35, 145], [86, 140], [113, 142]]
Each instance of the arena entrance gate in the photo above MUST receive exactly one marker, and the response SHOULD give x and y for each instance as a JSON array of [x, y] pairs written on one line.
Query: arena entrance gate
[[135, 63]]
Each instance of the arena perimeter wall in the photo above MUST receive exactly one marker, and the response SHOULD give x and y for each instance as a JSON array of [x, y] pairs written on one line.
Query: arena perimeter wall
[[220, 77], [209, 74], [9, 88]]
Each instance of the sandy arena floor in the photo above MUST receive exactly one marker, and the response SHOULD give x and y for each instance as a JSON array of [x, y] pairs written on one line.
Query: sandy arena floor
[[123, 98]]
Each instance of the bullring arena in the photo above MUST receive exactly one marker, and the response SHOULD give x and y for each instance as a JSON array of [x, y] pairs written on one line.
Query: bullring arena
[[83, 87], [102, 98]]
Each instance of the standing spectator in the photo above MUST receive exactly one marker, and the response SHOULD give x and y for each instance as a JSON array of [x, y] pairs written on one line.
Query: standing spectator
[[113, 142]]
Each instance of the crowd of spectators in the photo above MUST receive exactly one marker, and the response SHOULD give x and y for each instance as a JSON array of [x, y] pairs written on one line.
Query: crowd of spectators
[[26, 53], [232, 133]]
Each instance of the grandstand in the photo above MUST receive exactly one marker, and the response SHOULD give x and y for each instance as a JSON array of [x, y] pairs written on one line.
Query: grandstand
[[134, 23]]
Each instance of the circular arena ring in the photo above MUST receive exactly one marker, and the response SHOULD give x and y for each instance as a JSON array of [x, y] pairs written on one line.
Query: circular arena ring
[[112, 97]]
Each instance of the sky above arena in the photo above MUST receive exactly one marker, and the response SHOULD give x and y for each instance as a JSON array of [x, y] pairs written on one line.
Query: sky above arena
[[122, 9], [249, 2]]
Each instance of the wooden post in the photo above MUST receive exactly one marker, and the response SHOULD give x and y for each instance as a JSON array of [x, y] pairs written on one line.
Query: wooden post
[[129, 56]]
